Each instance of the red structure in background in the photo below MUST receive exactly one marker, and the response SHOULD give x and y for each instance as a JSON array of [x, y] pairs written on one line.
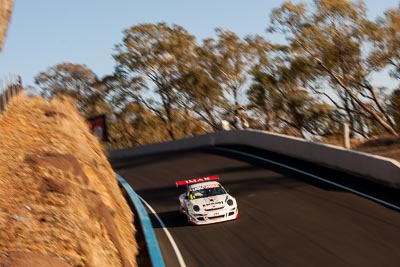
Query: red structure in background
[[98, 126]]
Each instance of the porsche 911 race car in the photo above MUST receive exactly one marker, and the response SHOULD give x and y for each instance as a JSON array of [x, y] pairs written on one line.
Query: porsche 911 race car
[[206, 201]]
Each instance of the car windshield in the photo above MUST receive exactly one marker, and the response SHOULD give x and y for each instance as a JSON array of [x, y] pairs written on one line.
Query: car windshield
[[207, 192]]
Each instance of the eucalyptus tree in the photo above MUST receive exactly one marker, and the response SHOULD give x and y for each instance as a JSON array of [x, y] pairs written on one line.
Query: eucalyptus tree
[[278, 91], [202, 92], [136, 125], [76, 81], [386, 55], [215, 82], [334, 34], [156, 56], [233, 57], [262, 95], [386, 41], [394, 107]]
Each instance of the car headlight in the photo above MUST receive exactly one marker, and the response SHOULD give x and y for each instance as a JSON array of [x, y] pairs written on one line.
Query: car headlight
[[230, 202], [196, 208]]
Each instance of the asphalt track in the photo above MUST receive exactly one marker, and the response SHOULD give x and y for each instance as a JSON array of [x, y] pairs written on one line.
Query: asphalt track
[[286, 218]]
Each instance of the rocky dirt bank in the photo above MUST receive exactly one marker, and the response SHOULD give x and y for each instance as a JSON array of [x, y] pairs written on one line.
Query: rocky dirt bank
[[60, 201]]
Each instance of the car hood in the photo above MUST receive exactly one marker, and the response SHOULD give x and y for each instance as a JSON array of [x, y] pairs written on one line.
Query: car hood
[[210, 203]]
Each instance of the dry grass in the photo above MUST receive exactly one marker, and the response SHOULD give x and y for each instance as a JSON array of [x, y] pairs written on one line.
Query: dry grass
[[61, 204], [385, 146]]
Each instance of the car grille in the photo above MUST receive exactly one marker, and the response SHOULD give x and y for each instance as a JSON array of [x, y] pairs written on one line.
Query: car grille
[[216, 217], [214, 209]]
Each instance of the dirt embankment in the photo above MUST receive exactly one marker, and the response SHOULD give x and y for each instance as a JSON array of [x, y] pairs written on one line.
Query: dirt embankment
[[60, 201], [6, 7]]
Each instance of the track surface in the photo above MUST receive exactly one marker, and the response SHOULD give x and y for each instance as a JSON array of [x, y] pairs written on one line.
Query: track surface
[[286, 219]]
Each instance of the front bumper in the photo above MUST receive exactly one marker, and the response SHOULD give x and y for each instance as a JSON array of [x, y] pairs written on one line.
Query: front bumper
[[208, 217]]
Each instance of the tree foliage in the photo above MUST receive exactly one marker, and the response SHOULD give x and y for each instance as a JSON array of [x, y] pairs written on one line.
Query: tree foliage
[[168, 85], [334, 35], [386, 43], [156, 55], [76, 81]]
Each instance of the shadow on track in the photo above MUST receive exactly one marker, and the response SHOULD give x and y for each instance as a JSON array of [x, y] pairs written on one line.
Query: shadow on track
[[171, 219]]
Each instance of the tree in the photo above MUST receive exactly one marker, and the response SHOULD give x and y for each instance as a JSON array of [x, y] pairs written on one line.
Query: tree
[[202, 93], [76, 81], [278, 90], [214, 83], [386, 41], [233, 57], [135, 125], [156, 55], [333, 37], [394, 108]]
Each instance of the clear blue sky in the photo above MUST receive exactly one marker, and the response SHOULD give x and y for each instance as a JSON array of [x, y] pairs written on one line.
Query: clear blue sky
[[44, 33]]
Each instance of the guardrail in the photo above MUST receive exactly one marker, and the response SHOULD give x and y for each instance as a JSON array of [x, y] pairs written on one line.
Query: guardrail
[[379, 169], [10, 88], [147, 229]]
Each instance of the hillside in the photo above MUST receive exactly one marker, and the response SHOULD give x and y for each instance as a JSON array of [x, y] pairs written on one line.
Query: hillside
[[61, 204]]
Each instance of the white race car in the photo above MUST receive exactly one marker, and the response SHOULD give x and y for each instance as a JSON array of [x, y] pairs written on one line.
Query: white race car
[[206, 201]]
